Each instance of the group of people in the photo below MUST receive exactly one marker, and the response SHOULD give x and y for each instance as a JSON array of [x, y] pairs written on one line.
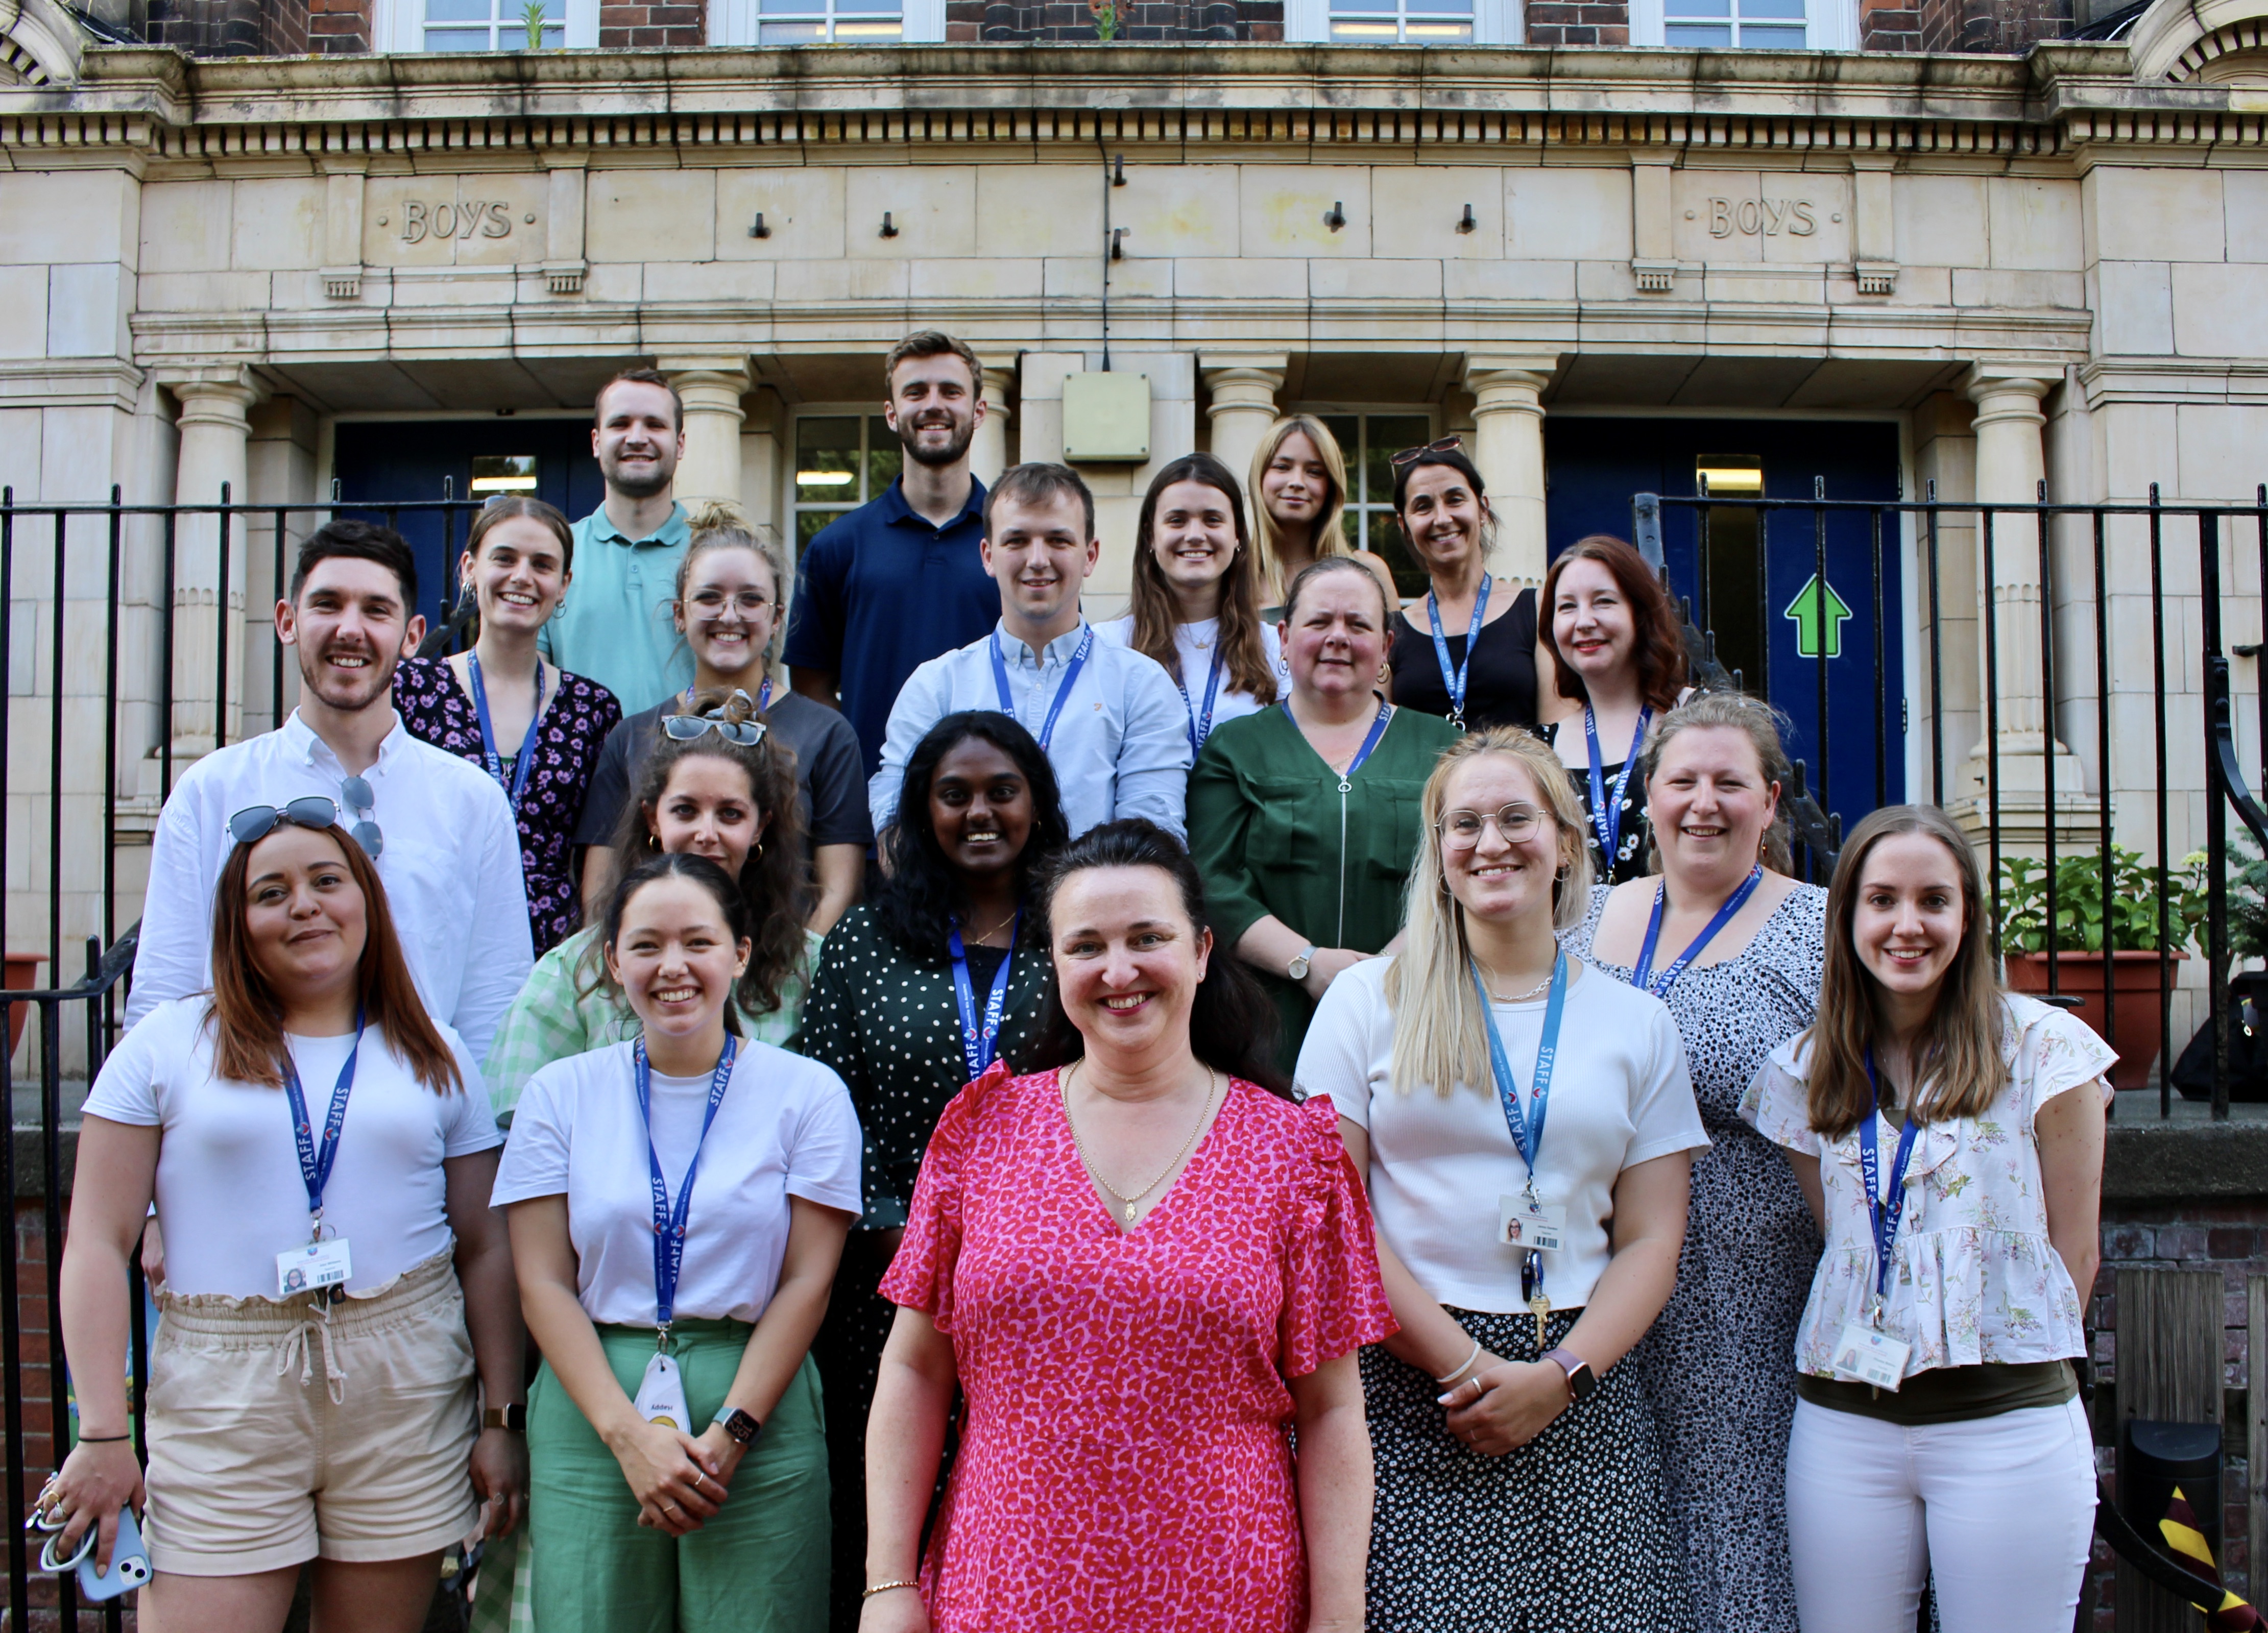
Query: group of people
[[1282, 1132]]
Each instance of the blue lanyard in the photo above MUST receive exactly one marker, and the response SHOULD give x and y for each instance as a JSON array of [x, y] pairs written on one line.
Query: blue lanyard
[[315, 1163], [1377, 730], [1063, 690], [1640, 977], [763, 695], [1885, 1215], [1607, 815], [1202, 729], [1456, 682], [669, 1222], [981, 1043], [1526, 1131], [517, 786]]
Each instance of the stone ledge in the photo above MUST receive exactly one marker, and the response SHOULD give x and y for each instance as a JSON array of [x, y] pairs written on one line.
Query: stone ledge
[[2160, 1162]]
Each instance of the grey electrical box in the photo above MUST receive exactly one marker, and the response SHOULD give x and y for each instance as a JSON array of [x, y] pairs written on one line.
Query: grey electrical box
[[1106, 418]]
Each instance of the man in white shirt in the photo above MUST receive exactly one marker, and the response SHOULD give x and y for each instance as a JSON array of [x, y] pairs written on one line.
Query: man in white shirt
[[438, 827], [1109, 718]]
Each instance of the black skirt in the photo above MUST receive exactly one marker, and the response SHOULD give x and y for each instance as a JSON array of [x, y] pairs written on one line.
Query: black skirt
[[1569, 1533]]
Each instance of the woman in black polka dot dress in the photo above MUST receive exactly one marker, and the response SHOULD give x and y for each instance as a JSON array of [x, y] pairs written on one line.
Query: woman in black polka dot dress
[[915, 993]]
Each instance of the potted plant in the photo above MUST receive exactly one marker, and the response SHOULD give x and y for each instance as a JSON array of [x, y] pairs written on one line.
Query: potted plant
[[2087, 915]]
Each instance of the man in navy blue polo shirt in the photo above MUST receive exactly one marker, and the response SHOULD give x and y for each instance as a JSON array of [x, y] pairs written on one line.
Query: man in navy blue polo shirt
[[901, 580]]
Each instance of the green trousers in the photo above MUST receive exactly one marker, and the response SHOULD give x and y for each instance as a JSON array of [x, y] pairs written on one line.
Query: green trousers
[[760, 1566]]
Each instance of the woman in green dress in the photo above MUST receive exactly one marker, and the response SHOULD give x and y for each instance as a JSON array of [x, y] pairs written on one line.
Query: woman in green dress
[[1304, 818]]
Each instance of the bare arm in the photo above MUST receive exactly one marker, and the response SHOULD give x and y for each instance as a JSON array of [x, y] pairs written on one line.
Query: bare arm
[[499, 1464], [659, 1463], [784, 1333], [1335, 1485], [2070, 1130], [905, 1438], [817, 685], [1807, 1182], [598, 868], [841, 873], [1430, 1339], [1270, 944], [116, 1176]]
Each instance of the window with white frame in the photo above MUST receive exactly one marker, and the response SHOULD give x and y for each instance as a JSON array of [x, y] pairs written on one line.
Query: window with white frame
[[1368, 443], [492, 24], [842, 460], [1403, 22], [1747, 25], [823, 22]]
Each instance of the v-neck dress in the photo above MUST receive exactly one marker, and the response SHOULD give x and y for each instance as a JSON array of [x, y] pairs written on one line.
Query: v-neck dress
[[1716, 1363], [1125, 1460]]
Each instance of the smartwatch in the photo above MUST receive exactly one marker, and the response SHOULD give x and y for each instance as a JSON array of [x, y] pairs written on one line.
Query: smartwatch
[[1297, 969], [1582, 1382], [739, 1424], [513, 1417]]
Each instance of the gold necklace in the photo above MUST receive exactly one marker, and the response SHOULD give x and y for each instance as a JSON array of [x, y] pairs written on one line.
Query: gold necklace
[[996, 930], [1063, 1087]]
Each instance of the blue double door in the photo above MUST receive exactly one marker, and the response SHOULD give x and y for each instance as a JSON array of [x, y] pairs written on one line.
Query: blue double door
[[1757, 587]]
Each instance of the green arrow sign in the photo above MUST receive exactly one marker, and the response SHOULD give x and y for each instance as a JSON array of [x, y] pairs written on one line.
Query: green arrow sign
[[1819, 613]]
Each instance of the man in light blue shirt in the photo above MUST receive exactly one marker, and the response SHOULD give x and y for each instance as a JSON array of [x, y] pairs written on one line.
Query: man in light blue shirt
[[1109, 719], [616, 626]]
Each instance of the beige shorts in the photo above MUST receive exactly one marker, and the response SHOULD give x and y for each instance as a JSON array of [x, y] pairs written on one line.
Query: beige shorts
[[278, 1434]]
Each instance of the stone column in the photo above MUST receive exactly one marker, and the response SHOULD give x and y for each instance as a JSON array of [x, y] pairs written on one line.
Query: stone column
[[215, 429], [712, 388], [1509, 448], [1243, 387], [988, 453]]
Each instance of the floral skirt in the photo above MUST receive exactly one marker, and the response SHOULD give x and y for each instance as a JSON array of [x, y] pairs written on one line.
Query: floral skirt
[[1570, 1533]]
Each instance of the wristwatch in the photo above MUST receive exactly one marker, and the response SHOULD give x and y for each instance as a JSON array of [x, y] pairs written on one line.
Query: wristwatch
[[1297, 969], [513, 1417], [739, 1424], [1582, 1382]]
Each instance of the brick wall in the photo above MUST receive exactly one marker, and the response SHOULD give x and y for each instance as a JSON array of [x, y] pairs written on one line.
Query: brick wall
[[230, 27], [1578, 23], [337, 26], [1889, 25], [2008, 26], [630, 27], [971, 20]]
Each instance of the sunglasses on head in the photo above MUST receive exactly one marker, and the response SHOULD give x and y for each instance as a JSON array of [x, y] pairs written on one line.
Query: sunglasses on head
[[254, 823], [1410, 456], [746, 733]]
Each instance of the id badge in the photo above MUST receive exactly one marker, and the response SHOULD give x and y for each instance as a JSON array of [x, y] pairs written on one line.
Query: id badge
[[318, 1264], [661, 1396], [1525, 1224], [1865, 1355]]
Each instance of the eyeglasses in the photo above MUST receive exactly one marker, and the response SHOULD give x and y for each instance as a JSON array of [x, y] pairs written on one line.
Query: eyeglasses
[[254, 823], [1409, 456], [711, 606], [1461, 830], [746, 733]]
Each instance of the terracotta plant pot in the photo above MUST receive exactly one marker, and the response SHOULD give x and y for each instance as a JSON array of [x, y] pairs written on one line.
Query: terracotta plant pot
[[22, 975], [2133, 999]]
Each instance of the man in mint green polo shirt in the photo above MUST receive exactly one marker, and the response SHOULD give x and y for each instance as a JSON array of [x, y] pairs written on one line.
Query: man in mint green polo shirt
[[613, 625]]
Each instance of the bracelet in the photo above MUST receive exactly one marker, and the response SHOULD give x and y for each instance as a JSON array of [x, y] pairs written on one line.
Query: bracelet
[[1462, 1365], [102, 1439], [884, 1587]]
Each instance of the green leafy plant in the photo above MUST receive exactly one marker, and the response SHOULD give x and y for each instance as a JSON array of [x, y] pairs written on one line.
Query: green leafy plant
[[2081, 911], [1106, 18], [2247, 903], [532, 15]]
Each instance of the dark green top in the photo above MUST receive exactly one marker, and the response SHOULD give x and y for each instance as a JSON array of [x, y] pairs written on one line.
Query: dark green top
[[1948, 1395], [1266, 820], [888, 1024]]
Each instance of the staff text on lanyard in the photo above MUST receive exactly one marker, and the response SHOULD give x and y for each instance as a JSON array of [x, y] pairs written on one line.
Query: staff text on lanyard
[[1607, 813], [980, 1039], [1457, 679], [1526, 1221], [661, 1393], [1864, 1353], [324, 1262]]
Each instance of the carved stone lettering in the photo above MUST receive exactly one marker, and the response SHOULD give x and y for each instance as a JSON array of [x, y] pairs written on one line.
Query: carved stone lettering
[[1766, 217], [442, 219]]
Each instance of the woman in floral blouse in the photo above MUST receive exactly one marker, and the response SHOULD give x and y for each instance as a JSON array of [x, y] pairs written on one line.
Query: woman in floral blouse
[[1949, 1135], [536, 728]]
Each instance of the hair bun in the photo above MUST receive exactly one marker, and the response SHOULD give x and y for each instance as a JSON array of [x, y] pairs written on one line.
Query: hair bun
[[715, 515]]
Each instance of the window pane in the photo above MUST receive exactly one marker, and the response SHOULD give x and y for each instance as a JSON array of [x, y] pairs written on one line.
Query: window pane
[[827, 459], [875, 29], [1342, 28], [1790, 9], [808, 522], [1771, 37], [457, 39], [790, 33], [1690, 34], [886, 456], [1351, 526], [1389, 434], [1434, 32], [554, 37], [503, 472], [458, 10], [1456, 8]]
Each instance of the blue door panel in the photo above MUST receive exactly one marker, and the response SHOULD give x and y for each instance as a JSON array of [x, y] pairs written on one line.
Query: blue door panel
[[1593, 467]]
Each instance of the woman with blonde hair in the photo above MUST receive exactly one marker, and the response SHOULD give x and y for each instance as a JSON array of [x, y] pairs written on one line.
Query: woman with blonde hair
[[1948, 1135], [1299, 496], [1735, 948], [732, 583], [1527, 1126], [1197, 605]]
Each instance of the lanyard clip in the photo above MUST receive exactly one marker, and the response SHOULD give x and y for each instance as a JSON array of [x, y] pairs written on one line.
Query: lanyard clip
[[661, 1337]]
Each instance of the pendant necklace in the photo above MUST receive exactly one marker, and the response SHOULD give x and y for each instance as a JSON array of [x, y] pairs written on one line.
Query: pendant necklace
[[1129, 1203], [1536, 991]]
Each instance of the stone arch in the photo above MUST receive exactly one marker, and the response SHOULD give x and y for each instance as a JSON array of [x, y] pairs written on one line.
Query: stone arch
[[2203, 41], [38, 43]]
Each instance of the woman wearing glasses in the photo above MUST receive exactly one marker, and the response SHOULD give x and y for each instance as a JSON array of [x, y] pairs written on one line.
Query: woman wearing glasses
[[1473, 656], [1736, 949], [1526, 1125], [1300, 494], [714, 786], [1303, 817], [534, 727], [336, 1424], [727, 606]]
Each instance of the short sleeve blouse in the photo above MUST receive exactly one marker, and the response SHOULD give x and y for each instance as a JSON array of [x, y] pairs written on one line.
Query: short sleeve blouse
[[1975, 1277]]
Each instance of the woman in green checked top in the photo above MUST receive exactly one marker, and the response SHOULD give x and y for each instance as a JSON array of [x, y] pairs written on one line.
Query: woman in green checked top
[[717, 788]]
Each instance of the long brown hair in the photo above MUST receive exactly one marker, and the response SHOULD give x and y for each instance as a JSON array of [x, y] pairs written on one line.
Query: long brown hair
[[247, 1017], [1657, 644], [1157, 618], [1957, 1068], [1328, 541], [775, 881]]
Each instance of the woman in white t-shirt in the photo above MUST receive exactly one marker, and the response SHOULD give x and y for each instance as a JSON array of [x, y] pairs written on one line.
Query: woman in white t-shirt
[[679, 1473], [321, 1156], [1196, 598], [1527, 1154]]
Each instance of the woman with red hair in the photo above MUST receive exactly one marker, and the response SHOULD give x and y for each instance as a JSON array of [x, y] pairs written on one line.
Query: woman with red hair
[[1619, 660]]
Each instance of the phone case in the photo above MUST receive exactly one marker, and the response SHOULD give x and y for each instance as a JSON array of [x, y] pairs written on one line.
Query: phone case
[[130, 1565]]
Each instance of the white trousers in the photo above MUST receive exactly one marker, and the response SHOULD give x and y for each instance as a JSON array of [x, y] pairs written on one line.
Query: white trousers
[[1999, 1510]]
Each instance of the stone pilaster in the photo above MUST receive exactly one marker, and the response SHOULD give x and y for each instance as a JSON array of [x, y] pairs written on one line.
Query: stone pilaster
[[1509, 448]]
